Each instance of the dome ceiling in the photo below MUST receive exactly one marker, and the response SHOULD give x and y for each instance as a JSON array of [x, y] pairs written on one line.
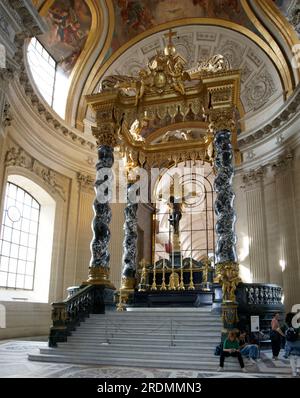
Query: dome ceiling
[[261, 83], [92, 38]]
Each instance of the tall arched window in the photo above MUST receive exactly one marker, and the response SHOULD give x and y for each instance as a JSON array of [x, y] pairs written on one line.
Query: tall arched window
[[26, 239], [50, 80], [18, 238]]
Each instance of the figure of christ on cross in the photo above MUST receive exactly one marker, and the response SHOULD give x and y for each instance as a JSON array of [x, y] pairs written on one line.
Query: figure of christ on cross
[[176, 214]]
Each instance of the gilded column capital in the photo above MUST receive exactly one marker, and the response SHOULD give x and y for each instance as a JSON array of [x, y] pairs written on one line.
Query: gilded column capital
[[221, 119], [108, 126], [105, 134]]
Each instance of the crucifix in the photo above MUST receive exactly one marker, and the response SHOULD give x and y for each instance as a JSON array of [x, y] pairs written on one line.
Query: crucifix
[[169, 36]]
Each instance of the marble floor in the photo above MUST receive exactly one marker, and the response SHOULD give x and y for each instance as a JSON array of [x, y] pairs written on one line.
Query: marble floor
[[14, 364]]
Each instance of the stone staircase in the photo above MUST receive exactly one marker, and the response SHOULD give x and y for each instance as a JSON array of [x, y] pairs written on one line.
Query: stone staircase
[[173, 338]]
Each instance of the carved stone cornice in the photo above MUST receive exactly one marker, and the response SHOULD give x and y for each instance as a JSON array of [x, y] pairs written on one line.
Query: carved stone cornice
[[254, 177], [290, 109], [283, 164], [275, 167], [49, 115], [17, 157], [26, 23], [6, 115], [85, 181]]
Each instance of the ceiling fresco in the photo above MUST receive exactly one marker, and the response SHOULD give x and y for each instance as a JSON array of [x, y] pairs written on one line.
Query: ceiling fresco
[[135, 16], [97, 32], [69, 24]]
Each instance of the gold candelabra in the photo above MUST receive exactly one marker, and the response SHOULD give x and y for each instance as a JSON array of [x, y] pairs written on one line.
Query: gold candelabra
[[191, 285], [181, 285], [154, 286], [163, 283], [143, 280], [121, 306]]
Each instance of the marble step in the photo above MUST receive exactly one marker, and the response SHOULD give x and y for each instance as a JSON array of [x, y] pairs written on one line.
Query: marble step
[[83, 345], [94, 334], [205, 330], [147, 323], [133, 315], [127, 339], [158, 338], [183, 344], [132, 362], [106, 352], [146, 310]]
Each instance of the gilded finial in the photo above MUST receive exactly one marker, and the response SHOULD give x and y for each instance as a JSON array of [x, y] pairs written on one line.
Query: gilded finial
[[170, 48]]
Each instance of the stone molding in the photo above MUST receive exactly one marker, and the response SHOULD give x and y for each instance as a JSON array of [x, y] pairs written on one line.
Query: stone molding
[[254, 177], [290, 109], [85, 181], [271, 169], [17, 157]]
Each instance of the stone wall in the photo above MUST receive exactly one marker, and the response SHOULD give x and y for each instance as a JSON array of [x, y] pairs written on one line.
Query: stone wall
[[267, 206]]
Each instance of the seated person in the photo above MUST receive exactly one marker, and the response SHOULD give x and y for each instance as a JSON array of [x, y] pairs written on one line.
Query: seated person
[[231, 349], [250, 351]]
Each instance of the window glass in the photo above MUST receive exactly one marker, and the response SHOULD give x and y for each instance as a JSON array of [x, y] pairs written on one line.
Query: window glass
[[18, 238]]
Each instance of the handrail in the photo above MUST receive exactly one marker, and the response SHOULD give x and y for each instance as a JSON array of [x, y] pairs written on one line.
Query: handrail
[[69, 313], [173, 327]]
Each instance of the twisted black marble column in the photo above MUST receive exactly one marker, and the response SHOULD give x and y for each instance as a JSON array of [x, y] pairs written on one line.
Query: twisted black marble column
[[226, 237], [130, 239], [99, 265], [226, 258]]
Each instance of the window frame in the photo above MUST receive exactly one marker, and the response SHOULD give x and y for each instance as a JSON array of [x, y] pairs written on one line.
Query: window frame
[[36, 234], [51, 103]]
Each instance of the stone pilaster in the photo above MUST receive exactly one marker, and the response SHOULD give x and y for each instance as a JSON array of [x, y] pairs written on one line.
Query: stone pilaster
[[272, 230], [85, 215], [288, 244], [256, 225]]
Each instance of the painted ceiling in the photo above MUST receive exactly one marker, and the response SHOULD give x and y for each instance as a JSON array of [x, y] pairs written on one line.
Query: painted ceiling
[[69, 23], [134, 17], [120, 24]]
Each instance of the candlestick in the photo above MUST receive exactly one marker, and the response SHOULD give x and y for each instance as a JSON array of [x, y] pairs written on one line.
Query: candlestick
[[163, 284], [154, 287], [181, 285], [191, 285]]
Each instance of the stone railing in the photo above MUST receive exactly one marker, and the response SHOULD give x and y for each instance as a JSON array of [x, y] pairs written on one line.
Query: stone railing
[[259, 294], [262, 300], [68, 314]]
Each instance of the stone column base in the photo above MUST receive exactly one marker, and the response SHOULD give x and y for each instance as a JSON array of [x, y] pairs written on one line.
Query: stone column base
[[99, 276], [103, 300], [229, 317], [126, 292]]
